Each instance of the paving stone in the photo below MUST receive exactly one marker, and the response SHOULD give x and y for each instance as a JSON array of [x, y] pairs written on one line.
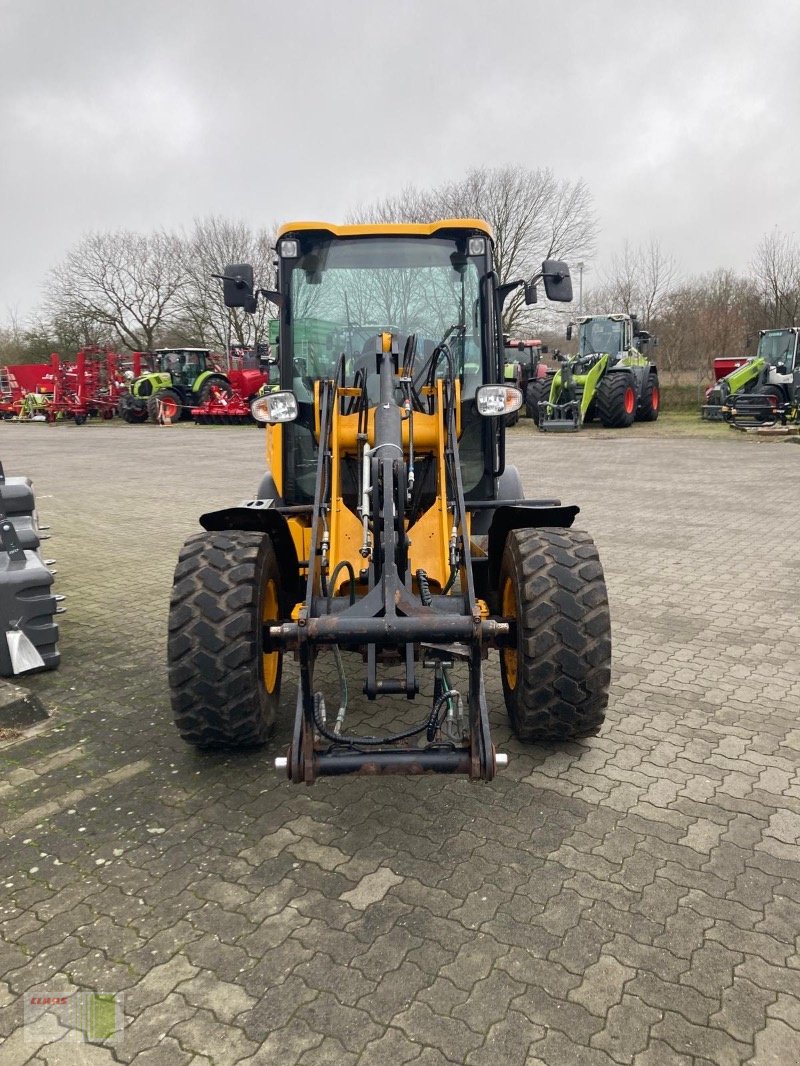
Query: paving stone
[[776, 1044], [627, 1029], [602, 985], [291, 925], [351, 1026], [223, 1044], [223, 998], [453, 1038], [371, 888]]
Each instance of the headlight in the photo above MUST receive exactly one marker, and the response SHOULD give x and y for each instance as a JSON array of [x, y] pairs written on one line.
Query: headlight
[[493, 401], [275, 407], [289, 249]]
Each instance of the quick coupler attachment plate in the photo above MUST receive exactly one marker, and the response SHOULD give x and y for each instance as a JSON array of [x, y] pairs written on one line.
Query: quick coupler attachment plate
[[559, 417]]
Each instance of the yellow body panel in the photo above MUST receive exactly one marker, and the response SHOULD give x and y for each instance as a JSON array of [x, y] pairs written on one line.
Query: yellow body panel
[[389, 229]]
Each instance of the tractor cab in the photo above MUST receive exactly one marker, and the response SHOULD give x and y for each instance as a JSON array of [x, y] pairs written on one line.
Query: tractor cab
[[184, 365]]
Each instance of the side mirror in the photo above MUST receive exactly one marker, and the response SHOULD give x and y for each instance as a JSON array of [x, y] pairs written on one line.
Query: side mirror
[[544, 349], [557, 281], [237, 287], [569, 331]]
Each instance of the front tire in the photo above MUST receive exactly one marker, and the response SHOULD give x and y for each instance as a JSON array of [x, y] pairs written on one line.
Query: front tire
[[224, 686], [616, 400], [650, 403], [167, 404], [557, 673]]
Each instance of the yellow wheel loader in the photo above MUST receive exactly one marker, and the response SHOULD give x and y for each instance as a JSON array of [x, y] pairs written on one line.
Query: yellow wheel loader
[[388, 528]]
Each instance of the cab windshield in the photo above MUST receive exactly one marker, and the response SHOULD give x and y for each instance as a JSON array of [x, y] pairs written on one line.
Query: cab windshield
[[777, 347], [345, 292], [600, 335], [181, 362]]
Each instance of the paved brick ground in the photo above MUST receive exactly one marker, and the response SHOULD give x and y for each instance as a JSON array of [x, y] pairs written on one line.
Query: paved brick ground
[[631, 899]]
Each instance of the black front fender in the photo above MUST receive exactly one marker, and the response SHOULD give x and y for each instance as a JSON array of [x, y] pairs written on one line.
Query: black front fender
[[259, 519], [521, 517]]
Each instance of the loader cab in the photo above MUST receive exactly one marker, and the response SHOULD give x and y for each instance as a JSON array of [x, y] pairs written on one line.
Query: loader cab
[[604, 334], [343, 287], [779, 347]]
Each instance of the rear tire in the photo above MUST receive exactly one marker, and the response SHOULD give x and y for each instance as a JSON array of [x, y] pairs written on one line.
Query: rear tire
[[650, 403], [210, 384], [556, 676], [616, 400], [224, 688], [536, 391]]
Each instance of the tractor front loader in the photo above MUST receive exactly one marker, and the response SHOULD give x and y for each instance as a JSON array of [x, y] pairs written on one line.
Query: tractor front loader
[[610, 378], [388, 529]]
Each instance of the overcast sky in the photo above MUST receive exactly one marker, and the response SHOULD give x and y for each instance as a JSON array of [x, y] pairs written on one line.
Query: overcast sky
[[683, 116]]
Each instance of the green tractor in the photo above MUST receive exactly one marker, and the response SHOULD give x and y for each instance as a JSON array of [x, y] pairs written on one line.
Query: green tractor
[[764, 388], [178, 380], [610, 378]]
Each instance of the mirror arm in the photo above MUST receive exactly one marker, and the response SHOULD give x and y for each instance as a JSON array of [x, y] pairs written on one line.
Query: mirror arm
[[273, 296], [504, 290]]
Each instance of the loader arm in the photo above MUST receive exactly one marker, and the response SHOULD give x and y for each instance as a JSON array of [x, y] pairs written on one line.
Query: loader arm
[[375, 599]]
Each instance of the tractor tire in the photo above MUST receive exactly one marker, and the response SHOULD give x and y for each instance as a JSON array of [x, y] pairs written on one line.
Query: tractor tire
[[166, 401], [80, 420], [556, 675], [536, 391], [650, 403], [774, 398], [221, 384], [224, 687], [616, 400]]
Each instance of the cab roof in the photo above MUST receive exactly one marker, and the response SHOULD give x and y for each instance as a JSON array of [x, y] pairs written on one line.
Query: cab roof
[[391, 229]]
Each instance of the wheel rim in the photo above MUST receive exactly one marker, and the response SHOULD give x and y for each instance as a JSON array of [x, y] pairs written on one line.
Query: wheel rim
[[656, 400], [509, 655], [270, 661], [630, 400], [169, 407]]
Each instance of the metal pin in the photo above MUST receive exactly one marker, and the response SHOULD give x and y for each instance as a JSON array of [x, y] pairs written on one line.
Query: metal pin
[[281, 762], [501, 759]]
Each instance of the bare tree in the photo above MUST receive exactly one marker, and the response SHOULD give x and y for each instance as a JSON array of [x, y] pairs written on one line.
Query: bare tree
[[636, 281], [213, 244], [533, 214], [703, 318], [776, 270], [124, 283]]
